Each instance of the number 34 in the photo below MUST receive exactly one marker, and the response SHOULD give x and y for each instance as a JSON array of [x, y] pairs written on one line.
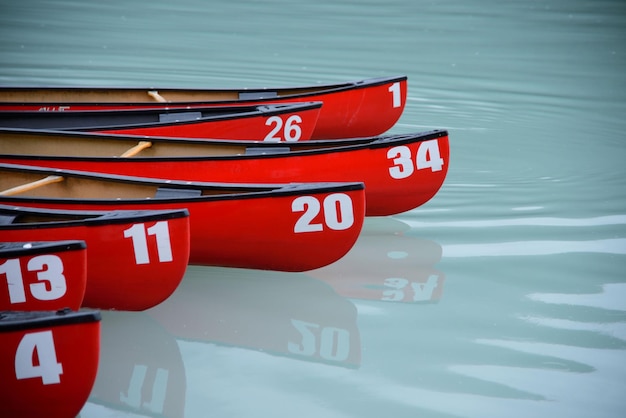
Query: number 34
[[428, 156]]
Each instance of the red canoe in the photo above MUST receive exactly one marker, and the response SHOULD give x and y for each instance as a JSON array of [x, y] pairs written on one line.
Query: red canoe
[[400, 172], [290, 227], [135, 259], [272, 123], [42, 276], [359, 108], [48, 362]]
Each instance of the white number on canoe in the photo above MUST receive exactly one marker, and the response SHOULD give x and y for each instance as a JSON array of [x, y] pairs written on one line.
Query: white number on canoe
[[136, 392], [40, 346], [139, 235], [53, 108], [330, 343], [394, 89], [421, 291], [289, 129], [337, 211], [49, 269], [428, 156]]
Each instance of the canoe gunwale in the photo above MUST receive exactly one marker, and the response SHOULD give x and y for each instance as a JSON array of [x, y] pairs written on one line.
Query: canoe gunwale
[[239, 113], [299, 92], [87, 217], [264, 149], [17, 249], [22, 320], [245, 190]]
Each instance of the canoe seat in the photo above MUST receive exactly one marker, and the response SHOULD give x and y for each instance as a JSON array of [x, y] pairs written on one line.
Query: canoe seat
[[266, 150], [179, 116], [256, 95], [169, 193], [7, 219]]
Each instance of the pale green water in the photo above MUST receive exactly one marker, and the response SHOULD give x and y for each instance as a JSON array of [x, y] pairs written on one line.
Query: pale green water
[[520, 260]]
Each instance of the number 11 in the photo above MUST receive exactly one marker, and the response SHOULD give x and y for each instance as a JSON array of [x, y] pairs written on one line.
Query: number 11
[[138, 234]]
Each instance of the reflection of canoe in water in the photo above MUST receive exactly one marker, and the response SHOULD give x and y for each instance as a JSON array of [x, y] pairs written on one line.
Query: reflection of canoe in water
[[387, 265], [48, 362], [141, 367], [43, 275], [278, 313], [356, 108]]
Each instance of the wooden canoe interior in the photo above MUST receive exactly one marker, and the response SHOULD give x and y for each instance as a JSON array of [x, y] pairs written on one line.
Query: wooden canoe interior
[[60, 96], [61, 145], [70, 187], [76, 146], [32, 184]]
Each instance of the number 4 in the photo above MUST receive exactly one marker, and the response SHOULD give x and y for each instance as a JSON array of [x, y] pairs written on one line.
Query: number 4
[[42, 343]]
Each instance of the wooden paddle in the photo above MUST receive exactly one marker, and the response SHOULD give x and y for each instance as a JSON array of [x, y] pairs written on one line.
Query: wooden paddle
[[55, 179], [32, 185], [156, 96], [137, 149]]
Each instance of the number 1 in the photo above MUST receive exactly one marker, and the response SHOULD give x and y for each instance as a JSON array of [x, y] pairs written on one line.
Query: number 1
[[394, 89]]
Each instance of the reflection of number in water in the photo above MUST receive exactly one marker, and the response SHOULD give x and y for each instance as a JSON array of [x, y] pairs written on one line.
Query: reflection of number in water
[[421, 291], [135, 388], [49, 269], [330, 343]]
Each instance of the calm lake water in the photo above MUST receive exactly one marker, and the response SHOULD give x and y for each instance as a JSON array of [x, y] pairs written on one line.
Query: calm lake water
[[504, 296]]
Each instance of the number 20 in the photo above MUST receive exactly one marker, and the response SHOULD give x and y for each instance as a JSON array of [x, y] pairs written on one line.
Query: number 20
[[428, 156], [337, 209]]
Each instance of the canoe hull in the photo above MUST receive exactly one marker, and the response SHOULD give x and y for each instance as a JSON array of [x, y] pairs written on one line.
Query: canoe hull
[[293, 227], [58, 382], [366, 107], [240, 235], [133, 263], [400, 172], [271, 123], [42, 276]]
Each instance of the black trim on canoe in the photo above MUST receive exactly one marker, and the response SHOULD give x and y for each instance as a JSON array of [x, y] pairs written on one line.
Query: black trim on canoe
[[96, 120], [255, 149], [23, 320], [254, 92], [20, 249], [70, 218], [245, 190]]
